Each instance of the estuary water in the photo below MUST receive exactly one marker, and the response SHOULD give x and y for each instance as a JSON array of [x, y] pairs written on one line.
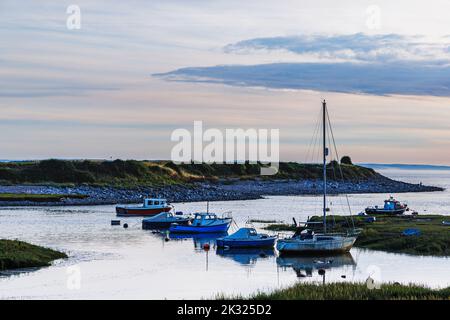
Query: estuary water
[[111, 262]]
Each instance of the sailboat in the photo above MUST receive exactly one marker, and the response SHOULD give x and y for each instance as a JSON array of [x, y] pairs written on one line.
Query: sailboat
[[309, 242]]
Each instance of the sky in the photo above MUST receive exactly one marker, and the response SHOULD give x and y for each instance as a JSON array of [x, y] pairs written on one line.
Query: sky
[[136, 70]]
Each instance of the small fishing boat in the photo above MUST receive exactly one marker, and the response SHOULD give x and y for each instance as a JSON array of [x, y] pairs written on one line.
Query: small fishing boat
[[203, 222], [163, 221], [150, 207], [307, 241], [246, 238], [391, 206]]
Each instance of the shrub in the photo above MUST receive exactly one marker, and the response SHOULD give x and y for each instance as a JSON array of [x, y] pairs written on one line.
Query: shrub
[[346, 160]]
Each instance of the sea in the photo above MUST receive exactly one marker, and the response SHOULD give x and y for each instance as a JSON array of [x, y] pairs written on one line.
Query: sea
[[113, 262]]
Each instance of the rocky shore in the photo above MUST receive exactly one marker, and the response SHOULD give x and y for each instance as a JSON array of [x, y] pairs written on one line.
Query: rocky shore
[[218, 191]]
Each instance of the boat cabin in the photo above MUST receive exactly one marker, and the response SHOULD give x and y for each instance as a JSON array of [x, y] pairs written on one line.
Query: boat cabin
[[205, 218], [305, 234], [392, 204], [155, 203], [202, 216], [244, 233]]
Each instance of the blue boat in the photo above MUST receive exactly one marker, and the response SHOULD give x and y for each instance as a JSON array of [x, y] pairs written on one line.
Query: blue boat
[[391, 206], [203, 223], [247, 238], [163, 221]]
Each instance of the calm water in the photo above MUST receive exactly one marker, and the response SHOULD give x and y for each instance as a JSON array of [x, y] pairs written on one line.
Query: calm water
[[114, 262]]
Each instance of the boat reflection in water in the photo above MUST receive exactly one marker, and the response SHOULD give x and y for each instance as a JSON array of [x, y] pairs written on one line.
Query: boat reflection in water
[[304, 266], [200, 239], [245, 256]]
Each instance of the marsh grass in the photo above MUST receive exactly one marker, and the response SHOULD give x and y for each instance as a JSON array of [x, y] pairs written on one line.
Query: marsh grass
[[16, 254], [348, 291]]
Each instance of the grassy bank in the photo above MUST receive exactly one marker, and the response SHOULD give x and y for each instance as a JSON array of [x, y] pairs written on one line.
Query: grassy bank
[[351, 291], [386, 233], [38, 197], [156, 173], [17, 254]]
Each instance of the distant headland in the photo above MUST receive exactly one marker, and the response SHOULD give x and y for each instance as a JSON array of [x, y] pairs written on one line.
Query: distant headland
[[89, 182]]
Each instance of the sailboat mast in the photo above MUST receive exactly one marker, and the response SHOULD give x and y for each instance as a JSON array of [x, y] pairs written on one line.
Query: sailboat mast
[[325, 151]]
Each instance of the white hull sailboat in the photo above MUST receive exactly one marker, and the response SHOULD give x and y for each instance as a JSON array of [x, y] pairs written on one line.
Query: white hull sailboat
[[319, 243], [308, 242]]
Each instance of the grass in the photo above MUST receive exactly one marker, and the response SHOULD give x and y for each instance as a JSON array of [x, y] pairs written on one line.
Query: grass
[[350, 291], [16, 254], [262, 221], [386, 233], [132, 173], [278, 227], [38, 197]]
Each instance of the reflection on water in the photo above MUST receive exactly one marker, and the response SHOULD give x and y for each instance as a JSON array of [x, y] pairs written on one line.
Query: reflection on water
[[138, 264], [245, 256], [199, 239], [305, 266]]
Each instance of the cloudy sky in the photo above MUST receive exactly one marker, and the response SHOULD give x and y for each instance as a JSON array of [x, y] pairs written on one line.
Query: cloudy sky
[[137, 70]]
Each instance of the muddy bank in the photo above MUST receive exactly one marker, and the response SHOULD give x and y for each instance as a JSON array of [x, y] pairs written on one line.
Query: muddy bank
[[219, 191]]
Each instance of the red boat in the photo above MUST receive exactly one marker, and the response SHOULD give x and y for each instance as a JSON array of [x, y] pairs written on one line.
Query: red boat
[[151, 207]]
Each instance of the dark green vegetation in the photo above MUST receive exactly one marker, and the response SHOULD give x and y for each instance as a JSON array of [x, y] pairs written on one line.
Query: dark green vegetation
[[17, 254], [281, 227], [346, 160], [262, 221], [38, 197], [353, 291], [386, 233], [132, 173]]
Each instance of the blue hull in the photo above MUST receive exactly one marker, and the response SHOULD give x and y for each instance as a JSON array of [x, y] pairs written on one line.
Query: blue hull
[[262, 243], [218, 228], [149, 225]]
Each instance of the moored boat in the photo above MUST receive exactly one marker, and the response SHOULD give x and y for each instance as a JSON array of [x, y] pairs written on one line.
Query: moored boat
[[247, 238], [304, 266], [307, 241], [321, 243], [391, 206], [203, 223], [163, 220], [150, 207]]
